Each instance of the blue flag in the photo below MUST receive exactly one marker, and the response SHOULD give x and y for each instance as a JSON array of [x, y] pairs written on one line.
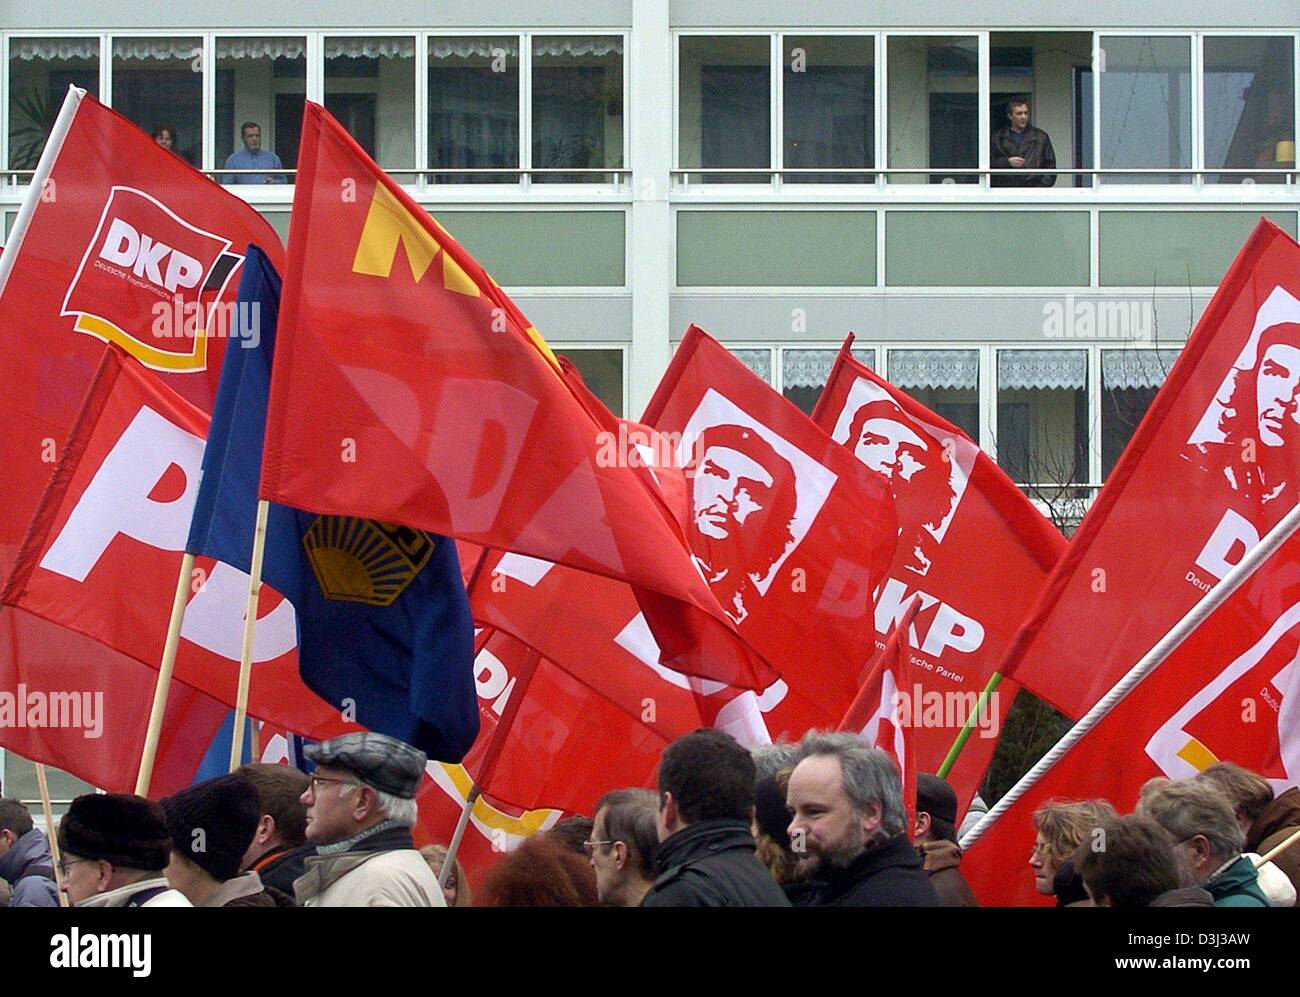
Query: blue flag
[[384, 627]]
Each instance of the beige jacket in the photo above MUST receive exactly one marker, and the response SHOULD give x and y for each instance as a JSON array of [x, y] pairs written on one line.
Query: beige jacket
[[120, 896], [400, 878]]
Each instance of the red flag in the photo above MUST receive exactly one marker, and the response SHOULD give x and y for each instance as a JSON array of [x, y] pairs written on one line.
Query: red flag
[[104, 552], [1229, 692], [971, 545], [1214, 464], [885, 713], [407, 387], [792, 534], [117, 241]]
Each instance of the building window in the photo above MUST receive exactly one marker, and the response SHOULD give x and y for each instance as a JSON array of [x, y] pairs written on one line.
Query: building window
[[804, 373], [934, 98], [1146, 106], [759, 361], [577, 106], [947, 382], [1130, 379], [260, 81], [158, 84], [40, 72], [1249, 106], [370, 88], [1043, 417], [602, 372], [828, 106], [724, 117], [474, 107]]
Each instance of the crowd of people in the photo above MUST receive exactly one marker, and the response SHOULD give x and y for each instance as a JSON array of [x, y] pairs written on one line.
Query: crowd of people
[[821, 823]]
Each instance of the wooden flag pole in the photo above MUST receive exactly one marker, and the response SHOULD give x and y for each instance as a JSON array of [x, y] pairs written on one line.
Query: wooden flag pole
[[48, 810], [250, 625], [162, 686], [1277, 850]]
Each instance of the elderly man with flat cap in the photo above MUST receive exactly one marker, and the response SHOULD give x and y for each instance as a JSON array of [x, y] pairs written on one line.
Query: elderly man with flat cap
[[360, 811]]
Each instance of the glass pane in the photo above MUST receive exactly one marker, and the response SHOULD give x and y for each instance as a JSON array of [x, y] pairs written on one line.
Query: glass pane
[[1129, 382], [577, 106], [933, 107], [261, 85], [1249, 107], [1176, 248], [725, 114], [602, 372], [370, 88], [947, 382], [776, 248], [40, 72], [1043, 417], [158, 84], [804, 373], [759, 361], [474, 107], [20, 784], [1146, 107], [1040, 67], [829, 106]]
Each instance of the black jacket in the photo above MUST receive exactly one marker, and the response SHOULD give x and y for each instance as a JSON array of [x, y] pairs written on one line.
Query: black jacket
[[279, 870], [712, 864], [889, 875], [1036, 150]]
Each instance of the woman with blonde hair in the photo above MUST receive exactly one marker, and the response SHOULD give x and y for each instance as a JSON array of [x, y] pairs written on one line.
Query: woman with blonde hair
[[456, 889], [1063, 826]]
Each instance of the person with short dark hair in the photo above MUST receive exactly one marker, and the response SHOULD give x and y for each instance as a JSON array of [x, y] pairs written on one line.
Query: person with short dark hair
[[624, 837], [1018, 145], [25, 862], [113, 850], [279, 845], [935, 837], [849, 826], [706, 851], [211, 825], [252, 157], [1131, 864]]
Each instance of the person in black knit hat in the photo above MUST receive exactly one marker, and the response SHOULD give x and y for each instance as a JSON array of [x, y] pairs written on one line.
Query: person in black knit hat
[[113, 850], [211, 826]]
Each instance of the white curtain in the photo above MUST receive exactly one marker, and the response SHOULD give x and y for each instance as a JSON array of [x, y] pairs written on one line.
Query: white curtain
[[363, 47], [812, 368], [1127, 369], [759, 361], [167, 49], [1030, 369], [937, 369], [53, 48], [261, 48]]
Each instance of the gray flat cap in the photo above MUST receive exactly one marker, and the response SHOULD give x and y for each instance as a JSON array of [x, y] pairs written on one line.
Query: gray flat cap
[[380, 761]]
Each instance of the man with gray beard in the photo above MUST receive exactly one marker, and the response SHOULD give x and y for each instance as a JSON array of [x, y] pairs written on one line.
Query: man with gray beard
[[849, 827]]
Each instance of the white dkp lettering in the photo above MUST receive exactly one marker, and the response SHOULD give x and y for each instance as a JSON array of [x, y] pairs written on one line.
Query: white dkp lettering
[[117, 503], [127, 247], [948, 628], [1231, 540]]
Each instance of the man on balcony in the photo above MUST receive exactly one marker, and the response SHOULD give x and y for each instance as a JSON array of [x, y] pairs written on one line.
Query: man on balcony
[[1019, 145]]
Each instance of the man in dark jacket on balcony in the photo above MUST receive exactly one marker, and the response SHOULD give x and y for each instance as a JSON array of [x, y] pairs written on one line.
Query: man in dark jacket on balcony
[[706, 849], [1018, 145]]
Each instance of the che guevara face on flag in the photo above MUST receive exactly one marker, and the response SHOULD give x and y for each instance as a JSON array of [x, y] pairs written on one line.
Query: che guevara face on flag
[[152, 283], [927, 469], [753, 498], [1248, 435]]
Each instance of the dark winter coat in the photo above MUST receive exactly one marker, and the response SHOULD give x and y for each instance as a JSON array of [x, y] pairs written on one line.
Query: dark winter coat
[[942, 861], [30, 872], [1036, 150], [1279, 821], [887, 875], [712, 864]]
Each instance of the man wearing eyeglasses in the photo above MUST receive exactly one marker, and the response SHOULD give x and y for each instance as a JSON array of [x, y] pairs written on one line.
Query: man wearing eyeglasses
[[360, 811], [113, 849], [623, 841]]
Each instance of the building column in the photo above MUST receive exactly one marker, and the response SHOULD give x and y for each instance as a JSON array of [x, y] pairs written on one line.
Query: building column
[[650, 265]]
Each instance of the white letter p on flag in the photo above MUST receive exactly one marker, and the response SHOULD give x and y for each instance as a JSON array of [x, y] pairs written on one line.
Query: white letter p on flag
[[117, 498]]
